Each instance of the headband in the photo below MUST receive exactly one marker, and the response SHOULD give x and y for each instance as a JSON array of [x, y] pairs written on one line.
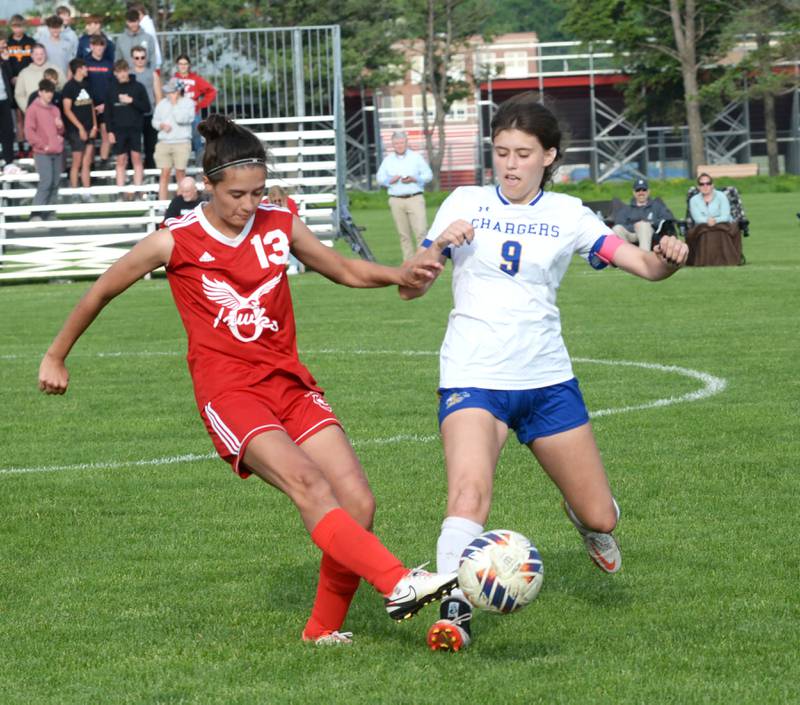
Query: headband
[[237, 162]]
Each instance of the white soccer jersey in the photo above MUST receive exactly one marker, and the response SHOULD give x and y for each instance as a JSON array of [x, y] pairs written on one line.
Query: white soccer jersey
[[504, 331]]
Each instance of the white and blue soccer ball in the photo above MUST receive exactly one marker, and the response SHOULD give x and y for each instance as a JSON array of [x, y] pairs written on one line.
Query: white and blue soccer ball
[[500, 571]]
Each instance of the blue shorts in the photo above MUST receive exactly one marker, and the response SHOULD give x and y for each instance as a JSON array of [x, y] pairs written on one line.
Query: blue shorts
[[531, 413]]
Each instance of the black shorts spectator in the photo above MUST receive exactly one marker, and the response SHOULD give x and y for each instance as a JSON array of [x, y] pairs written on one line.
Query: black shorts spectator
[[74, 140], [127, 139]]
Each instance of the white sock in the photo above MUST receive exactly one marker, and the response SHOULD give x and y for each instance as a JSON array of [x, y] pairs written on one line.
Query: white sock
[[456, 535]]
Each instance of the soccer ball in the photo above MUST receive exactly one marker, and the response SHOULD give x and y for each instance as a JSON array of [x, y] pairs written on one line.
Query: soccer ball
[[500, 571]]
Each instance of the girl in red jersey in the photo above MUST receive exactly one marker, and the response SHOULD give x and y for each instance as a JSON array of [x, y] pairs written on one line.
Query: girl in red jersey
[[225, 264]]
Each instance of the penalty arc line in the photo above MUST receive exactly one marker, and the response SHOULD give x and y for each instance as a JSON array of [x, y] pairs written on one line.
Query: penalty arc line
[[711, 385]]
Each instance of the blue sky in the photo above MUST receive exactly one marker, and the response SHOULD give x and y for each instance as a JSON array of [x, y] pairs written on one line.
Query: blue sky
[[12, 7]]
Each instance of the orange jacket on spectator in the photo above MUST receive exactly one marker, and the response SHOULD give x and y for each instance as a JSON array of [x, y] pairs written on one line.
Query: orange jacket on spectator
[[44, 128], [197, 88]]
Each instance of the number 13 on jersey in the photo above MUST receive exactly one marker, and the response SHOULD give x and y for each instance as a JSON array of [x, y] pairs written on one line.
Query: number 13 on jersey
[[272, 248], [511, 252]]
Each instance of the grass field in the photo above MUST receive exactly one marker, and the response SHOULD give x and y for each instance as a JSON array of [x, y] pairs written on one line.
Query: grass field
[[137, 569]]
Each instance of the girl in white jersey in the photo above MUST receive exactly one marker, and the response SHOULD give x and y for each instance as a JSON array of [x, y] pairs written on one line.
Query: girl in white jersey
[[503, 363], [226, 264]]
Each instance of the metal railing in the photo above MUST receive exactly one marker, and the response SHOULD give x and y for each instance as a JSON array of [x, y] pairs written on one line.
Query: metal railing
[[262, 73]]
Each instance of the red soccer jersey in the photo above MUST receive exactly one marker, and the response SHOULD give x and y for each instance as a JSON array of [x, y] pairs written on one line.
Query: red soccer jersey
[[233, 297]]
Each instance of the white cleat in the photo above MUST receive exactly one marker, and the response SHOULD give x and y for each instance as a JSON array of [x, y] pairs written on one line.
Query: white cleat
[[332, 638], [604, 551], [416, 589]]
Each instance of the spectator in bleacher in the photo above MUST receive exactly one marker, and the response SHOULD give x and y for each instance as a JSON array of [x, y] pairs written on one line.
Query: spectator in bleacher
[[50, 74], [59, 50], [28, 79], [187, 198], [44, 130], [200, 91], [134, 36], [172, 118], [280, 197], [715, 238], [151, 81], [404, 173], [99, 79], [147, 24], [638, 221], [94, 25], [125, 110], [81, 124], [20, 46], [7, 132], [67, 34], [68, 31]]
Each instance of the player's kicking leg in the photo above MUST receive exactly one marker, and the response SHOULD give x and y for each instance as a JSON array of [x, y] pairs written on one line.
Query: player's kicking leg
[[337, 586], [573, 462], [472, 440], [276, 459]]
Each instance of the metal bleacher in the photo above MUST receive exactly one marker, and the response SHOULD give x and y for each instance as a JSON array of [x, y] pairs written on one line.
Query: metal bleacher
[[297, 113], [84, 239]]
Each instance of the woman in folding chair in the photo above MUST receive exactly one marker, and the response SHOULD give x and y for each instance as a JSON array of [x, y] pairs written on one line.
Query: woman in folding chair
[[715, 238]]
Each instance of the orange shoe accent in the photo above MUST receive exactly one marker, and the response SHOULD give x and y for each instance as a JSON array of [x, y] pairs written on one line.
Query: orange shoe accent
[[445, 636], [608, 566]]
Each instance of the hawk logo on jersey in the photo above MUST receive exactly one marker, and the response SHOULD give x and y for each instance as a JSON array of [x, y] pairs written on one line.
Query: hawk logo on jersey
[[455, 398], [241, 310]]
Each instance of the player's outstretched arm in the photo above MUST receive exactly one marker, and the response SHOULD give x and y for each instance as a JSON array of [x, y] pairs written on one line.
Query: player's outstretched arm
[[148, 254], [356, 273], [454, 235], [668, 257]]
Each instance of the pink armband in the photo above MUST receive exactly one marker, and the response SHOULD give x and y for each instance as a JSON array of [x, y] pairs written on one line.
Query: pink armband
[[611, 244]]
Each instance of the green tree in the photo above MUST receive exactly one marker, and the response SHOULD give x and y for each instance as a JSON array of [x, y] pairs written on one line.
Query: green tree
[[440, 30], [658, 42], [774, 27], [543, 17], [369, 27]]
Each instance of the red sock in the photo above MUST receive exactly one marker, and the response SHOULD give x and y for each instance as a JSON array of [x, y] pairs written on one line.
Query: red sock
[[356, 549], [335, 592]]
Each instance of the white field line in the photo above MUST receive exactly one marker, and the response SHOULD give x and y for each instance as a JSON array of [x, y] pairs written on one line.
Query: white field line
[[711, 385]]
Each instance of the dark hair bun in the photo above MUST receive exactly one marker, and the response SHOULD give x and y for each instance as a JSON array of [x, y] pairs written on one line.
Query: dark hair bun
[[215, 126]]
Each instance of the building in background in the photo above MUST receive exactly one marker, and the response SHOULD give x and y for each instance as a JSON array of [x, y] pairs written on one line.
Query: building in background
[[400, 105]]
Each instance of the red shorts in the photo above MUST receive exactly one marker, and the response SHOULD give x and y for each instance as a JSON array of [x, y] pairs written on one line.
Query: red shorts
[[281, 402]]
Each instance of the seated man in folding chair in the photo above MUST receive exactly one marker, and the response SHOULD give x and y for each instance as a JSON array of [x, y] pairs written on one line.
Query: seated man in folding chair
[[644, 219], [714, 237]]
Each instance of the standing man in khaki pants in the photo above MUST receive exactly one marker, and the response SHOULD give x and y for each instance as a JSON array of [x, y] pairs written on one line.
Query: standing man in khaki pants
[[404, 173]]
